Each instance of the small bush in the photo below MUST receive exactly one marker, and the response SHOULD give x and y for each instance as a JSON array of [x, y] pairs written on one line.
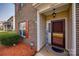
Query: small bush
[[8, 39]]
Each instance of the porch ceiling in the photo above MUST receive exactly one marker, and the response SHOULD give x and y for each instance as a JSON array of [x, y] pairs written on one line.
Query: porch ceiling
[[42, 5], [47, 8], [59, 9]]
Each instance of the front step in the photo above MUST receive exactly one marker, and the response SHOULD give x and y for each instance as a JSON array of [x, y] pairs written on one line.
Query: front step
[[64, 53], [56, 49]]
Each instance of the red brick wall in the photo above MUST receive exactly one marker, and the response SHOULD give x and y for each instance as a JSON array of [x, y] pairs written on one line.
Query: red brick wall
[[16, 20], [28, 12]]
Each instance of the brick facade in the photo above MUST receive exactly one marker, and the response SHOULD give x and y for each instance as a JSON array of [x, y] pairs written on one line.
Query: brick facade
[[27, 12]]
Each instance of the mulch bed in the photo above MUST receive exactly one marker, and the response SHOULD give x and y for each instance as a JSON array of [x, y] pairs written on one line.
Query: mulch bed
[[21, 49]]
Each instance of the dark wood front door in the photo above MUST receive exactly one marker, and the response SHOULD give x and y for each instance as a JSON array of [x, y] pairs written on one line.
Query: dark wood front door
[[58, 33]]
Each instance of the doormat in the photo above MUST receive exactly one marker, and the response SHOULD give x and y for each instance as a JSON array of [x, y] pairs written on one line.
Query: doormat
[[57, 50]]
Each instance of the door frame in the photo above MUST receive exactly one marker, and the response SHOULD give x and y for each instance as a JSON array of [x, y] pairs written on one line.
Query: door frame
[[66, 31], [39, 11]]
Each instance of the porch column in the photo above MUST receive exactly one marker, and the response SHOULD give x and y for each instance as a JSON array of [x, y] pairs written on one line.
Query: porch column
[[38, 31], [73, 30]]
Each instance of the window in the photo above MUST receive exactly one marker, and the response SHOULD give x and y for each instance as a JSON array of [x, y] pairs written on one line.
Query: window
[[49, 27], [22, 29]]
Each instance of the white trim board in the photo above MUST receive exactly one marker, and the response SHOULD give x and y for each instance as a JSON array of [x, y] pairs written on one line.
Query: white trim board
[[38, 27], [73, 49], [38, 31]]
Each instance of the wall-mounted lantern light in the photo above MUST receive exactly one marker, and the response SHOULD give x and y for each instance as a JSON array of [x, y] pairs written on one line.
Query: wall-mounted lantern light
[[54, 13]]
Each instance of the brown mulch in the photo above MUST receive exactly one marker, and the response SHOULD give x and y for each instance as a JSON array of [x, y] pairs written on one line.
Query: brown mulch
[[20, 49]]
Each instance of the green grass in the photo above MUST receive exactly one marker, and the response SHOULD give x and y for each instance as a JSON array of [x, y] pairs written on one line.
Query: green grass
[[6, 34]]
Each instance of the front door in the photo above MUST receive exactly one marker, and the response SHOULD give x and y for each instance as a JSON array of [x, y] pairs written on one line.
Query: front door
[[58, 33]]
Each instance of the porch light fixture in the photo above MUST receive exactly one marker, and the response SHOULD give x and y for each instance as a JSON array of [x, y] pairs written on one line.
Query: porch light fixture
[[54, 13]]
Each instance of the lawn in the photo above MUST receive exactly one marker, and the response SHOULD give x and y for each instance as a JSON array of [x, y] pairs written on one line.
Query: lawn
[[6, 33]]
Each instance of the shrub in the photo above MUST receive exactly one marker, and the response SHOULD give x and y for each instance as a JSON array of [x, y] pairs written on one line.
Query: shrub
[[8, 39]]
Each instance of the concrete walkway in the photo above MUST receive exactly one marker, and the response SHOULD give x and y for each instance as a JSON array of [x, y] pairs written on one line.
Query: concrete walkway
[[47, 51]]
